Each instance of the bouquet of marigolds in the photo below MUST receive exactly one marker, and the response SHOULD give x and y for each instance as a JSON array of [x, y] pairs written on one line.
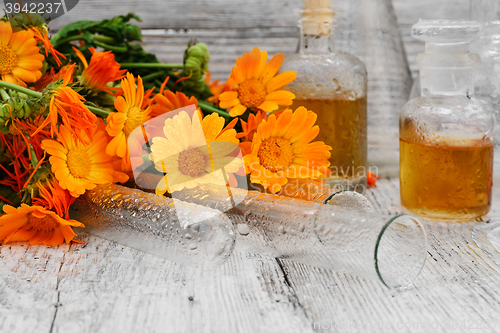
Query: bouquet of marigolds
[[69, 104]]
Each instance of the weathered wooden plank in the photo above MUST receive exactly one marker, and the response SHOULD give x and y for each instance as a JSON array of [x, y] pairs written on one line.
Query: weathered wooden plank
[[192, 14], [29, 276], [105, 287], [242, 19], [216, 14]]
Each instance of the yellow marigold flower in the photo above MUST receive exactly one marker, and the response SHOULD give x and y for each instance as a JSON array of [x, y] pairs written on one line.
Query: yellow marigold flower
[[129, 116], [282, 149], [79, 167], [256, 85], [36, 225], [194, 152], [102, 69], [20, 58]]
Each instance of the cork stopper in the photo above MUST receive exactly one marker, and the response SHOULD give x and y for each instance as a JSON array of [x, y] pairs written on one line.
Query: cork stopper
[[317, 18]]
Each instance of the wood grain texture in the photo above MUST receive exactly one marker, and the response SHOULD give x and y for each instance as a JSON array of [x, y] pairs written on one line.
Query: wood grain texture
[[191, 14], [105, 287], [213, 21]]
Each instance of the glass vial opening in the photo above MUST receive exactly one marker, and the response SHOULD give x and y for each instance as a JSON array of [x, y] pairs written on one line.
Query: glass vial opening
[[400, 251]]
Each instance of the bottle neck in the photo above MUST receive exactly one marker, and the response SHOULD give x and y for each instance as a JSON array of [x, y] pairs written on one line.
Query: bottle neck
[[315, 44], [447, 73], [445, 81], [316, 26]]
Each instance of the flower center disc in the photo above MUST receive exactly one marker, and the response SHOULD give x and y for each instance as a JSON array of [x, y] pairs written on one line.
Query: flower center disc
[[252, 93], [8, 60], [78, 162], [46, 223], [134, 119], [192, 162], [275, 154]]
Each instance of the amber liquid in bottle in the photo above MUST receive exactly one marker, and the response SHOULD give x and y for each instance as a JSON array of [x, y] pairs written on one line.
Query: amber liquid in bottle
[[342, 124], [446, 180]]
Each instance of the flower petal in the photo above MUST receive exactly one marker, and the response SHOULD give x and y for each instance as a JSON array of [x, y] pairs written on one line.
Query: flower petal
[[237, 110], [268, 106], [280, 81], [5, 33], [272, 67]]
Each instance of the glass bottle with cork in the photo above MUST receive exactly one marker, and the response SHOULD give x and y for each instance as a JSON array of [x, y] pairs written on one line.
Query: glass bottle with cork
[[333, 85], [446, 135]]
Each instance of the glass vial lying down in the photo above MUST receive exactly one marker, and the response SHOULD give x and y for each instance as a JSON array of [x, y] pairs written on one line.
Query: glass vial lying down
[[389, 249], [185, 233]]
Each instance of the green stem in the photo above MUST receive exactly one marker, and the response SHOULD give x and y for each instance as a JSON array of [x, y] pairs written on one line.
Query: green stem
[[117, 49], [152, 76], [207, 107], [98, 38], [37, 94], [149, 65], [97, 111], [104, 39], [15, 87]]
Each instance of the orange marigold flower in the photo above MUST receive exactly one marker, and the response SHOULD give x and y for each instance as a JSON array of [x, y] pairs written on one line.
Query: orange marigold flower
[[54, 197], [249, 128], [256, 85], [119, 164], [167, 101], [68, 104], [36, 225], [215, 88], [282, 149], [79, 167], [41, 34], [194, 152], [129, 116], [171, 101], [52, 76], [148, 98], [102, 69], [20, 58]]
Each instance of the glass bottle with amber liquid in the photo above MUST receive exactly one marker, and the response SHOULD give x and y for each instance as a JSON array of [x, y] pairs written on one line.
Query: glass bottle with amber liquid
[[446, 135], [333, 85]]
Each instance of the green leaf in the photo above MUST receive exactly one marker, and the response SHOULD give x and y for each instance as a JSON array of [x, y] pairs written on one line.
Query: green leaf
[[72, 29], [25, 21]]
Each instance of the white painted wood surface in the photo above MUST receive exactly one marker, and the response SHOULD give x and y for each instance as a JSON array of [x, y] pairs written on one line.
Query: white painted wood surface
[[105, 287]]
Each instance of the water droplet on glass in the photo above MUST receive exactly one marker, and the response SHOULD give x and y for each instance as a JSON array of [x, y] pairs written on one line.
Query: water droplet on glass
[[243, 229]]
